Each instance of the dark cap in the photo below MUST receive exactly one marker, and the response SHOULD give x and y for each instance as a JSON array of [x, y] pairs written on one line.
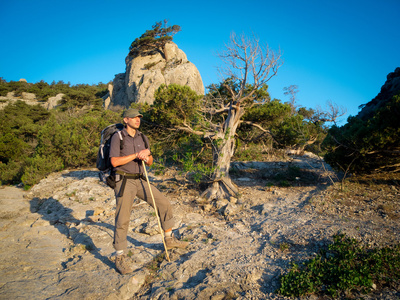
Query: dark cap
[[131, 113]]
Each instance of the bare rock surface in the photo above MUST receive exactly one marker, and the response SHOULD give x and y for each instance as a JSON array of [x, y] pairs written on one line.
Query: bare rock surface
[[30, 99], [57, 238], [144, 75], [388, 90]]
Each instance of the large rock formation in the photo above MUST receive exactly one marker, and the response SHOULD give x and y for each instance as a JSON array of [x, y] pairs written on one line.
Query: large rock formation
[[144, 74], [388, 90]]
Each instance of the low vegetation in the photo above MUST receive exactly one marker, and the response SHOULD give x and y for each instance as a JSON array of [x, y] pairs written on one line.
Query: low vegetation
[[345, 268], [349, 268], [75, 95], [35, 142], [367, 145]]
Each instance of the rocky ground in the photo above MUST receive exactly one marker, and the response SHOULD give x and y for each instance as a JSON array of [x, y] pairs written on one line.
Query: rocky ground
[[56, 238]]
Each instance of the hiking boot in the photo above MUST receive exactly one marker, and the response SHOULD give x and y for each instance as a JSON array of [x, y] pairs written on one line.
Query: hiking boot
[[121, 263], [173, 242]]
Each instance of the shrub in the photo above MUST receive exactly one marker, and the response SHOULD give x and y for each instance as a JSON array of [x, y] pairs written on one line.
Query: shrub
[[11, 172], [31, 136], [345, 267], [74, 140], [286, 128], [39, 167], [363, 146]]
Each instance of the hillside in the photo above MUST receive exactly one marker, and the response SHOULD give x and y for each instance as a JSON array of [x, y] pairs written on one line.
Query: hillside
[[56, 238]]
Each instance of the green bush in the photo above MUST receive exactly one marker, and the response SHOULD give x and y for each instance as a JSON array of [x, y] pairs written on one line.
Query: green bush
[[75, 140], [11, 171], [287, 128], [174, 105], [32, 137], [39, 167], [346, 267], [364, 146], [19, 126], [13, 148]]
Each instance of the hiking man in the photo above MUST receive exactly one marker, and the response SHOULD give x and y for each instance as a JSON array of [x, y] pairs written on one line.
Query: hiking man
[[130, 182]]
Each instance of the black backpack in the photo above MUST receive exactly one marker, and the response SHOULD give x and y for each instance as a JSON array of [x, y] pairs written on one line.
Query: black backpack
[[103, 162]]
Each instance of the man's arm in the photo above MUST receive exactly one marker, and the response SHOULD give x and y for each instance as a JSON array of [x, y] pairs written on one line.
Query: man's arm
[[143, 155], [122, 160]]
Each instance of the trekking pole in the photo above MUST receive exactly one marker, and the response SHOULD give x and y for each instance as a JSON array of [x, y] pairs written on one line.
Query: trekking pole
[[155, 208]]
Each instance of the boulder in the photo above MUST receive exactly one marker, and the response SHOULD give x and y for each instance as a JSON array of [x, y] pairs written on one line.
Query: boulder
[[28, 96], [52, 102], [144, 74]]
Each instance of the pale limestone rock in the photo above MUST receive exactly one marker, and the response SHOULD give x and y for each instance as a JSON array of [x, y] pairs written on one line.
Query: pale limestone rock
[[144, 75], [118, 93], [235, 253], [30, 99], [107, 97], [28, 96], [52, 102]]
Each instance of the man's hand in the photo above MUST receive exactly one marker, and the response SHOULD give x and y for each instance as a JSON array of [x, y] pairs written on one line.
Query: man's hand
[[144, 154]]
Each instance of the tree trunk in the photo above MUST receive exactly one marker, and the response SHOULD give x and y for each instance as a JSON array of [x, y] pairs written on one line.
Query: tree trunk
[[223, 150]]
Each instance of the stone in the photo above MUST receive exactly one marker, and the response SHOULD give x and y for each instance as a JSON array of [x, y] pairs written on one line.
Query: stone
[[230, 210], [144, 75], [53, 102], [388, 90], [28, 96]]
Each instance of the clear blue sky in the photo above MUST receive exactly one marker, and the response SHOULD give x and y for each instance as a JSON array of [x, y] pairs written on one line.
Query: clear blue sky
[[333, 50]]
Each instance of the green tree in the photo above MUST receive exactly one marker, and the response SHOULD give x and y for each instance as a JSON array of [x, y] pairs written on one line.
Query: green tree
[[367, 145], [19, 126], [176, 105], [154, 40], [74, 140], [249, 67], [231, 109]]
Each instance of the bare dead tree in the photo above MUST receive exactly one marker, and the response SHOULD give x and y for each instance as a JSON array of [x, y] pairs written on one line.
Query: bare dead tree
[[331, 113], [251, 65], [291, 91], [248, 66]]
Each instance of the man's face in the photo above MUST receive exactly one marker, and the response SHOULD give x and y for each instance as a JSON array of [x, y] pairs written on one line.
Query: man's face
[[133, 122]]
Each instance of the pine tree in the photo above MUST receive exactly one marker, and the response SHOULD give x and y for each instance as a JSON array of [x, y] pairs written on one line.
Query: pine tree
[[154, 40]]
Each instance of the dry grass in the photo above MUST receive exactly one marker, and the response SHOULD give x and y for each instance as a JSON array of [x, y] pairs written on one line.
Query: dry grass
[[379, 193]]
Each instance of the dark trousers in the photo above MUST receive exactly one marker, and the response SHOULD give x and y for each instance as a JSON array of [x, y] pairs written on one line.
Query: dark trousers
[[137, 188]]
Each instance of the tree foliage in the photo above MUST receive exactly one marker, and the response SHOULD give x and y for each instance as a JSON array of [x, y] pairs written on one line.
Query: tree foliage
[[35, 141], [364, 146], [42, 90], [238, 107], [19, 127], [154, 40], [176, 105]]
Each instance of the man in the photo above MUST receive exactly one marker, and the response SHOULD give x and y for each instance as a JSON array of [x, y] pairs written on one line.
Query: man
[[130, 182]]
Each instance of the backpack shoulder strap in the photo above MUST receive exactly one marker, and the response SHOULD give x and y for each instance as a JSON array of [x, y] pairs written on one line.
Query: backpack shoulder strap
[[145, 140], [121, 140]]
